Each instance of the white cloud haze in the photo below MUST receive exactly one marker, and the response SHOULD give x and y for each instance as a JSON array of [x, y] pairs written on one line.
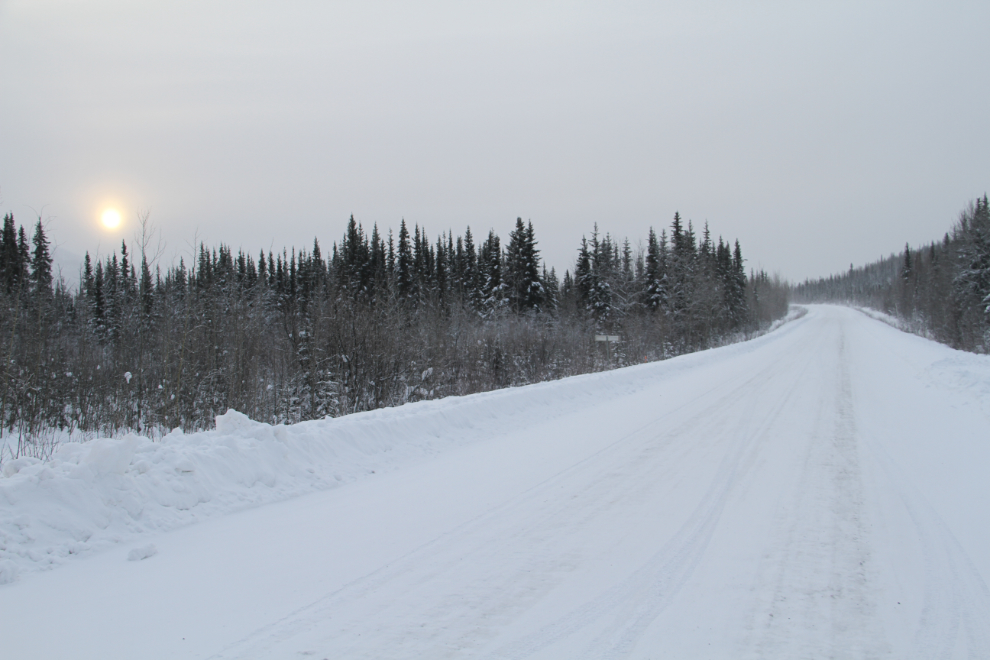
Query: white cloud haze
[[818, 134]]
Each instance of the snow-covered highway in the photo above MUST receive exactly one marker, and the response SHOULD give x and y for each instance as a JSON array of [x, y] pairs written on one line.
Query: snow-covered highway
[[821, 491]]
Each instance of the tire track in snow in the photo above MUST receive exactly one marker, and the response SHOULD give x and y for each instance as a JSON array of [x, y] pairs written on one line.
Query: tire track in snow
[[955, 615], [822, 602], [483, 536], [643, 596]]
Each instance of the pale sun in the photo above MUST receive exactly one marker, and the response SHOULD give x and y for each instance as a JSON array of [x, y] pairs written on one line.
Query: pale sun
[[110, 218]]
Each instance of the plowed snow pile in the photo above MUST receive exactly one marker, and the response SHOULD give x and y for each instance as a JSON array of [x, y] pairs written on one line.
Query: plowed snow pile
[[103, 492]]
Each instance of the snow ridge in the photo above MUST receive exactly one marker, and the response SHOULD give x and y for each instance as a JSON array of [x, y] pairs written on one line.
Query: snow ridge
[[92, 495]]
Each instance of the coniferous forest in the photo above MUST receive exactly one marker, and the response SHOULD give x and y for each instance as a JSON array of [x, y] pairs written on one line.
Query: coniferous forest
[[940, 290], [377, 320]]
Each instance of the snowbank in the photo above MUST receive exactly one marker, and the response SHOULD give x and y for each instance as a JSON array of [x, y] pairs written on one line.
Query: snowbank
[[99, 493], [912, 326]]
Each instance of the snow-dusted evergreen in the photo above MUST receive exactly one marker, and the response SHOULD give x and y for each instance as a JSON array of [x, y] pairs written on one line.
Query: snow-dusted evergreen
[[375, 322], [941, 290]]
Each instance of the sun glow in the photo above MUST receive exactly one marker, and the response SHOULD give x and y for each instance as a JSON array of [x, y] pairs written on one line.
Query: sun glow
[[110, 218]]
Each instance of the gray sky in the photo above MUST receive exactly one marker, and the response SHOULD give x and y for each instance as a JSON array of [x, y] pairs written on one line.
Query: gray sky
[[819, 134]]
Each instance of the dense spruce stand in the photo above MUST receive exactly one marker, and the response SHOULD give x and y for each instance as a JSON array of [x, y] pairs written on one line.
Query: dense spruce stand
[[379, 321], [941, 290]]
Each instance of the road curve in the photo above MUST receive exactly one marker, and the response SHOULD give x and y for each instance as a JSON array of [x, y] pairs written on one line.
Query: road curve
[[817, 493]]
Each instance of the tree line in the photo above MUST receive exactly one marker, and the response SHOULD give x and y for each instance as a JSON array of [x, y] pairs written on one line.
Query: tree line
[[377, 321], [940, 290]]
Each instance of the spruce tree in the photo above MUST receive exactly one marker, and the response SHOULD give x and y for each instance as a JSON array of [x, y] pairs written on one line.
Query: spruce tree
[[654, 294], [15, 257], [146, 289], [599, 288], [404, 264], [98, 301], [522, 273], [906, 269], [551, 288], [41, 264], [87, 276], [583, 283], [442, 271], [490, 273], [10, 266], [738, 311], [470, 276]]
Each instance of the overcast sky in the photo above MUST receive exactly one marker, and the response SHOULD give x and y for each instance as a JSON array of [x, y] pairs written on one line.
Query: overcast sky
[[817, 133]]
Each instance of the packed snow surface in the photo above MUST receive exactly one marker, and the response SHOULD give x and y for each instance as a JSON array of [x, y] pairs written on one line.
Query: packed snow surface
[[817, 492]]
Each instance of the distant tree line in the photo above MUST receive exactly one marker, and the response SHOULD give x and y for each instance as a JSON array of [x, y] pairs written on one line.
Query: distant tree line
[[941, 290], [378, 321]]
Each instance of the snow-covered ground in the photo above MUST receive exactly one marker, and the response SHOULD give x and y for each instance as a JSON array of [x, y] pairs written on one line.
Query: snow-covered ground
[[817, 492]]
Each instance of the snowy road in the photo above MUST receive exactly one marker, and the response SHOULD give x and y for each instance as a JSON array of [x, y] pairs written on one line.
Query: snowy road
[[818, 492]]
